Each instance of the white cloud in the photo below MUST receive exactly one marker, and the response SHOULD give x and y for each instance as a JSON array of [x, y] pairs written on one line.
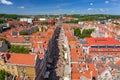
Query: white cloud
[[21, 7], [102, 10], [105, 10], [6, 2], [90, 9], [91, 4], [107, 2], [72, 11]]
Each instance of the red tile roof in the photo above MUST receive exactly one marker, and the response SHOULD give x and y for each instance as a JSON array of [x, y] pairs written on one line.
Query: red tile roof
[[76, 76], [118, 62], [21, 59], [102, 41], [16, 39]]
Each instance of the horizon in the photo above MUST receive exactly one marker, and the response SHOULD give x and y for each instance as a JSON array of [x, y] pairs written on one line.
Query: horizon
[[57, 14], [31, 7]]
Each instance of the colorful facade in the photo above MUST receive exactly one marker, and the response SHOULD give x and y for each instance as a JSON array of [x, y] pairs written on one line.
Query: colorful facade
[[20, 65]]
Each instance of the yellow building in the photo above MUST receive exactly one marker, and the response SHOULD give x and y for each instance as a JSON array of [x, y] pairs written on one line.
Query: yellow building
[[20, 65]]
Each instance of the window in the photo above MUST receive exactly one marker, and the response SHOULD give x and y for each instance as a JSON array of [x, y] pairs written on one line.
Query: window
[[20, 74], [24, 69], [102, 46], [116, 49], [108, 50], [3, 66], [110, 46], [76, 50], [8, 67], [117, 46], [20, 68], [13, 73], [12, 67], [8, 71], [94, 46], [93, 50], [99, 49]]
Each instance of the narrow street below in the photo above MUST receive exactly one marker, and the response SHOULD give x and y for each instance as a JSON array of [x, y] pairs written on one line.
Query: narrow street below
[[58, 59]]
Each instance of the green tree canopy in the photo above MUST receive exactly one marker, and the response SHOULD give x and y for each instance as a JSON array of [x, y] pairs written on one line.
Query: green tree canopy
[[77, 31], [85, 32], [23, 33], [19, 49], [4, 74]]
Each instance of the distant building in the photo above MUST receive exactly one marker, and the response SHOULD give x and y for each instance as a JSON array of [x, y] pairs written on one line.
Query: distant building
[[68, 18], [81, 23], [42, 19], [29, 20]]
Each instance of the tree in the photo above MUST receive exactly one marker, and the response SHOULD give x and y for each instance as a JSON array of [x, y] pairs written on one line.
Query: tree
[[24, 33], [118, 24], [77, 31], [1, 21], [13, 16], [37, 30], [4, 74], [19, 49], [85, 32]]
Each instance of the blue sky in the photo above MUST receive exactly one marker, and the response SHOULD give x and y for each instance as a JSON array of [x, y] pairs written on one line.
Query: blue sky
[[60, 7]]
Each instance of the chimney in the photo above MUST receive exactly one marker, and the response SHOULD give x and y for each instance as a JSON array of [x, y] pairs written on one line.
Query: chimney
[[18, 33], [91, 73], [11, 32], [38, 45], [87, 67], [2, 57], [8, 56], [32, 49]]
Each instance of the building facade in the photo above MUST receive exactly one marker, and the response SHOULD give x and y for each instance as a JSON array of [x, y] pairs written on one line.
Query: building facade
[[100, 46], [21, 65]]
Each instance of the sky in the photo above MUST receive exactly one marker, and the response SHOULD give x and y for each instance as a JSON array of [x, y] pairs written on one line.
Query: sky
[[36, 7]]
